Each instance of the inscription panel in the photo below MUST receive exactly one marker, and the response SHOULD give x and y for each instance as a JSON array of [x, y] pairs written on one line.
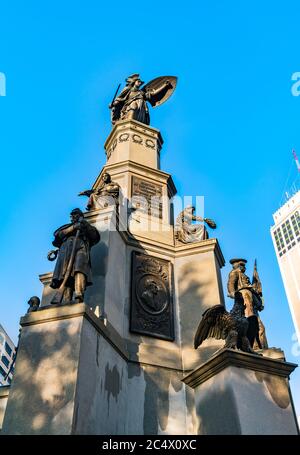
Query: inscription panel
[[147, 196], [151, 297]]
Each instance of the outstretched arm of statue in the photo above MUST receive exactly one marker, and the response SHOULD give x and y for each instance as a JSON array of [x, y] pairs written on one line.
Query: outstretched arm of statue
[[161, 89], [86, 193], [210, 223], [152, 94], [197, 218]]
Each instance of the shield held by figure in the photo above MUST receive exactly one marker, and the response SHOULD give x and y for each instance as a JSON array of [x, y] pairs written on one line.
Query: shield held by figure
[[158, 83]]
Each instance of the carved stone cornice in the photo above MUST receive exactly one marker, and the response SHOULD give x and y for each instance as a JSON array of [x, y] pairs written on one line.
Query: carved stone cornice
[[135, 128], [140, 169], [128, 350], [231, 358], [201, 247]]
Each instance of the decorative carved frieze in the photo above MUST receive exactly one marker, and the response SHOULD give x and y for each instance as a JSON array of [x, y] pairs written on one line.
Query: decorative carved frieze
[[124, 137]]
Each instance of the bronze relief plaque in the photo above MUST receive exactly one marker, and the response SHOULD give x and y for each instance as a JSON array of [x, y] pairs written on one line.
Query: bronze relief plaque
[[151, 297]]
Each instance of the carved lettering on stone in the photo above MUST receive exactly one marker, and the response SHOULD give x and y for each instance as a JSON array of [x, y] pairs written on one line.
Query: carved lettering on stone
[[151, 299], [151, 196]]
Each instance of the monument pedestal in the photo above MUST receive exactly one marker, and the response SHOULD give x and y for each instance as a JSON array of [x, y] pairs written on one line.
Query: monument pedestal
[[75, 375], [114, 364], [133, 141], [243, 394]]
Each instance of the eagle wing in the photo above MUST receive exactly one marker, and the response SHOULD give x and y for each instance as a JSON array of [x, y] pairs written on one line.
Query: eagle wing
[[211, 325]]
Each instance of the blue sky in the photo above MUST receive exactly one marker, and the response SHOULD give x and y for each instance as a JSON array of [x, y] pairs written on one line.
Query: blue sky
[[228, 129]]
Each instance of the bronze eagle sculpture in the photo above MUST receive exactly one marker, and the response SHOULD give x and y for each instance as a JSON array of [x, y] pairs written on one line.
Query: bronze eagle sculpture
[[233, 327]]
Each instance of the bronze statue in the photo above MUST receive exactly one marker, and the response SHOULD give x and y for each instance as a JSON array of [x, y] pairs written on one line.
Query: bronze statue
[[186, 231], [247, 294], [34, 303], [262, 342], [73, 267], [131, 104], [103, 196], [239, 327], [232, 327]]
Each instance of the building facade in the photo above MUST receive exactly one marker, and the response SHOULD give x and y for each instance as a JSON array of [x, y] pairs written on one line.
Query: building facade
[[286, 239], [7, 352]]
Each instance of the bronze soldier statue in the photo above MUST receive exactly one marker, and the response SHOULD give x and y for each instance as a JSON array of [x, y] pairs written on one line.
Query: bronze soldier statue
[[73, 266], [103, 196], [238, 327], [249, 294], [132, 102]]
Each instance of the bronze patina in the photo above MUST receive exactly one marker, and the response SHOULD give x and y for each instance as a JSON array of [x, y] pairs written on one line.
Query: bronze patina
[[73, 266], [131, 103], [240, 327], [105, 195]]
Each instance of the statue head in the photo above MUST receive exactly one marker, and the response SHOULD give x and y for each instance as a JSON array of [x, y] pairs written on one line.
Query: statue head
[[238, 263], [34, 303], [106, 177], [190, 208], [75, 215], [137, 84], [188, 211], [151, 286], [134, 81]]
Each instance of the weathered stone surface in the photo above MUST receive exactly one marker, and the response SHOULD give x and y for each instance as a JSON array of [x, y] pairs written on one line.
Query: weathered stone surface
[[241, 393], [42, 392], [75, 376], [198, 286]]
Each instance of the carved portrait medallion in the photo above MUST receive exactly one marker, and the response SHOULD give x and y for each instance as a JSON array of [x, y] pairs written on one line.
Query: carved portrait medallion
[[151, 303]]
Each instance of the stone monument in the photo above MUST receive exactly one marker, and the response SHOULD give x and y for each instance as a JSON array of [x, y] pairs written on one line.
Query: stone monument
[[119, 358]]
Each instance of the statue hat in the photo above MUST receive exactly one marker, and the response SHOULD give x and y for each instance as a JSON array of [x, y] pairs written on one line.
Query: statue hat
[[234, 260], [134, 77], [77, 210]]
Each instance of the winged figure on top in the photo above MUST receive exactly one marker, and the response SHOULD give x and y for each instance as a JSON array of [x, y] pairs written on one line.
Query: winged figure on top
[[131, 103]]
